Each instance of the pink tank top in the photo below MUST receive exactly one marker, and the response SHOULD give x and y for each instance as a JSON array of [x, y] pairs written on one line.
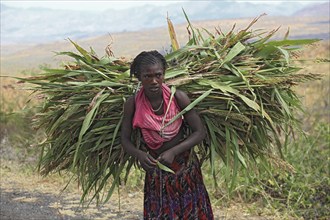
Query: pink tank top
[[152, 126]]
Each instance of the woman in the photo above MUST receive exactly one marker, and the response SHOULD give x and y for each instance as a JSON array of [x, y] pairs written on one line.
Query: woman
[[166, 196]]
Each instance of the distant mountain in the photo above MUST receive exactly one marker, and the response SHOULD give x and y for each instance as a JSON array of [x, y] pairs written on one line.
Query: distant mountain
[[314, 10], [37, 25]]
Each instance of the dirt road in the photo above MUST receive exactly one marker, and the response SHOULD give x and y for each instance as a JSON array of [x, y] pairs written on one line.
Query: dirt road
[[25, 196]]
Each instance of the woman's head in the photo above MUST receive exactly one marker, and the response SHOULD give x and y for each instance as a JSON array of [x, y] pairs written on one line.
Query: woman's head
[[144, 59], [149, 67]]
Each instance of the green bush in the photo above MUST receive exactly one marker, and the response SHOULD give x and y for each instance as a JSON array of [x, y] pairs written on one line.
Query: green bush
[[18, 138], [303, 192]]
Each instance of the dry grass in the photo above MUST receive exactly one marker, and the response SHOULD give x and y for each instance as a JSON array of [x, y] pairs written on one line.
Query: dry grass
[[315, 95]]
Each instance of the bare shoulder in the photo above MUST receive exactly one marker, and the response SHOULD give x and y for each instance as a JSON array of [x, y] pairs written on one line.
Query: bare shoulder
[[191, 117], [182, 98], [129, 105], [130, 100]]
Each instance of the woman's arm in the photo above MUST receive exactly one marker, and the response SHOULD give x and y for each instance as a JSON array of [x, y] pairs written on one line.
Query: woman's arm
[[146, 160], [197, 127]]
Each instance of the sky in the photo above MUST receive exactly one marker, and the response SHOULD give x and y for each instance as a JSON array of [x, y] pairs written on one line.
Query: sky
[[100, 5], [83, 5]]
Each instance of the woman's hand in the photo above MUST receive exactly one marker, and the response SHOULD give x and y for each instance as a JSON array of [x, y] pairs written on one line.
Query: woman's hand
[[147, 161], [166, 157]]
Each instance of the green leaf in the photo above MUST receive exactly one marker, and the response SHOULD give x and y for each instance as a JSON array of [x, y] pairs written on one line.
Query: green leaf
[[82, 51], [172, 73], [238, 48], [297, 42], [88, 121], [285, 53], [165, 168], [189, 107], [214, 143]]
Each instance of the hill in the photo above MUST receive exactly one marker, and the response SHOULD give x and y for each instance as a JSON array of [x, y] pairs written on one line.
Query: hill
[[314, 10], [41, 25], [18, 58]]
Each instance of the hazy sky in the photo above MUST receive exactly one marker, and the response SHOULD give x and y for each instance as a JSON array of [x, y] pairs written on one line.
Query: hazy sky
[[82, 5], [103, 5]]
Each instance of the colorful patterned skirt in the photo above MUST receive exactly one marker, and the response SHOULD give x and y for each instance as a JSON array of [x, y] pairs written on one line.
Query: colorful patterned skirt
[[177, 196]]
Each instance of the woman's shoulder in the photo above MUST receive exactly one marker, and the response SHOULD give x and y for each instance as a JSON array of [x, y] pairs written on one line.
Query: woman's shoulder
[[182, 98], [130, 102], [179, 94], [131, 98]]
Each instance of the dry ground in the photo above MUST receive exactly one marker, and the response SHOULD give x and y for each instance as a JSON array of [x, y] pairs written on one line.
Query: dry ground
[[26, 195]]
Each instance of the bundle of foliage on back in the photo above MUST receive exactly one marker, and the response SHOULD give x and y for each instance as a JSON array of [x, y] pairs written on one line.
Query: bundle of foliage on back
[[240, 83]]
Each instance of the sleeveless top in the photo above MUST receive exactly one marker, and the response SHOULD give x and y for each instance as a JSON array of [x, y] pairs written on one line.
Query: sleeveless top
[[152, 126]]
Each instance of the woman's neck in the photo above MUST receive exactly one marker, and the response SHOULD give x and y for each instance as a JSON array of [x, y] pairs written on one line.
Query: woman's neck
[[157, 104]]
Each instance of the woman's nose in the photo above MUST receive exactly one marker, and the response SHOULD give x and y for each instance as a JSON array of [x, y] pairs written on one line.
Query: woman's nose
[[154, 80]]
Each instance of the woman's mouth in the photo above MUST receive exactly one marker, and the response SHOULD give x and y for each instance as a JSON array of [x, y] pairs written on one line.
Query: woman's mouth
[[154, 89]]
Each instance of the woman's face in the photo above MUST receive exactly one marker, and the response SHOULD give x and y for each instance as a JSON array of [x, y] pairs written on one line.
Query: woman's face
[[152, 77]]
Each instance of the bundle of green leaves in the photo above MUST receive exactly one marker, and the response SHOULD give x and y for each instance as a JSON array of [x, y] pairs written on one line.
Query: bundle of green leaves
[[240, 83]]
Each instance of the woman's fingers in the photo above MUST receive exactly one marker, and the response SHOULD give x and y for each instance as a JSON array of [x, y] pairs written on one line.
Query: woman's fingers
[[152, 160], [149, 162], [163, 161]]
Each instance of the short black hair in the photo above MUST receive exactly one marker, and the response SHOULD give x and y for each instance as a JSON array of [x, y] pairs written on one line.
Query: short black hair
[[146, 58]]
